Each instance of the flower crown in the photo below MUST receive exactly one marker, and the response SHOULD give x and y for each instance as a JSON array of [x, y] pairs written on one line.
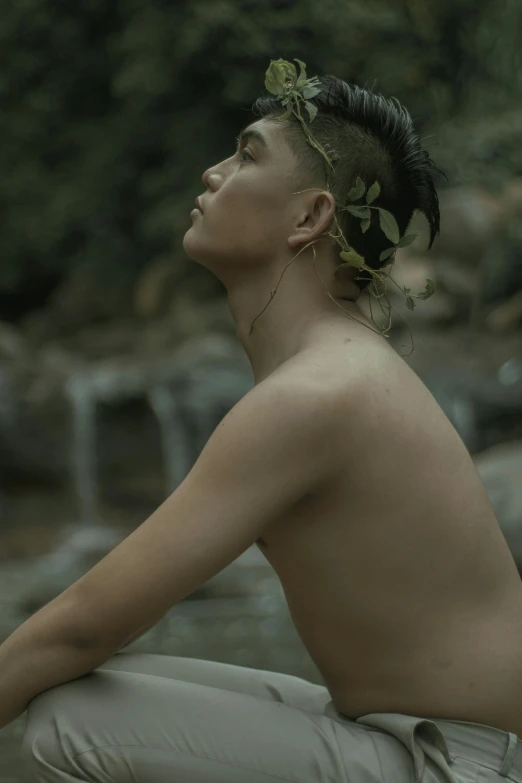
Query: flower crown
[[295, 93]]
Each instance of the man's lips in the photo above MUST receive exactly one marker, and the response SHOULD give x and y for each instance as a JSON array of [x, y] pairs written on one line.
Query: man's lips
[[198, 204]]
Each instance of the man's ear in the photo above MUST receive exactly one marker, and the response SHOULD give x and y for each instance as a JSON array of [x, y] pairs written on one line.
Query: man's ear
[[314, 218]]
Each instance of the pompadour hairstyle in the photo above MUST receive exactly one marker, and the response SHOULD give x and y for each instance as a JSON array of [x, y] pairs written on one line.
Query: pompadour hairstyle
[[375, 140]]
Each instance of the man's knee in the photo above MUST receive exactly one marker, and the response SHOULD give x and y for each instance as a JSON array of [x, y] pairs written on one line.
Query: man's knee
[[41, 743], [50, 738]]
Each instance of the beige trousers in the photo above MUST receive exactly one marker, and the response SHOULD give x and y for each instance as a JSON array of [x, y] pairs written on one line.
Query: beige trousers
[[143, 718]]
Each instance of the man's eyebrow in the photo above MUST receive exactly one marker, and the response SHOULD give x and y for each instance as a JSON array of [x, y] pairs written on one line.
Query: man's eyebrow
[[251, 133]]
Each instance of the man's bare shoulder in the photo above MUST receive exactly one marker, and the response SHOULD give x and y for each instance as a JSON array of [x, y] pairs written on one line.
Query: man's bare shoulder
[[303, 391], [367, 387], [344, 369]]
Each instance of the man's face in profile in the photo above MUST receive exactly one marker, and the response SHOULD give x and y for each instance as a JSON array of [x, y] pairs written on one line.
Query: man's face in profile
[[248, 209]]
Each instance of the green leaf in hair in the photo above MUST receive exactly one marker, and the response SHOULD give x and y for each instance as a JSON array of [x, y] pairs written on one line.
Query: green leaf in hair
[[373, 192], [295, 92], [357, 191], [352, 258]]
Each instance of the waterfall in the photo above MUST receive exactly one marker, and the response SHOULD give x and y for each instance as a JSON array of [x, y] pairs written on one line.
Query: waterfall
[[83, 404], [174, 436], [199, 381]]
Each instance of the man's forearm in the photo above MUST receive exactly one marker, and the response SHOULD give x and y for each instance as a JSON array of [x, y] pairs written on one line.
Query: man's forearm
[[43, 652]]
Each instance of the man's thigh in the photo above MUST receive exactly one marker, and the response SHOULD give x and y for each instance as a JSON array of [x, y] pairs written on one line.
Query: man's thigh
[[128, 727], [274, 686]]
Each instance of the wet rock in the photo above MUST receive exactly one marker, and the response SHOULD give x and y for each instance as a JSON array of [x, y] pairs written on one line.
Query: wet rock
[[506, 316], [156, 286], [471, 218], [78, 549], [13, 345], [80, 298], [476, 379], [52, 409]]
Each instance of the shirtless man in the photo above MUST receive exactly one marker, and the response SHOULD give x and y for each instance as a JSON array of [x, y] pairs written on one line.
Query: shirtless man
[[342, 467]]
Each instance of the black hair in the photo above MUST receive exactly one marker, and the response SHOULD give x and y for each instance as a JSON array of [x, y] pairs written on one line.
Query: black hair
[[374, 139]]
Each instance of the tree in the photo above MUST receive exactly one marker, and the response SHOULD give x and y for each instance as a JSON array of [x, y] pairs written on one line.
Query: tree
[[111, 112]]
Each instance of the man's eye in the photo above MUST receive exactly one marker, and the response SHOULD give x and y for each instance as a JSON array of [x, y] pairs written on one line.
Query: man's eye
[[245, 152]]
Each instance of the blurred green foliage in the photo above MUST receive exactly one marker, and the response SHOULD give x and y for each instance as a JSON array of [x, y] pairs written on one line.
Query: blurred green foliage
[[112, 111]]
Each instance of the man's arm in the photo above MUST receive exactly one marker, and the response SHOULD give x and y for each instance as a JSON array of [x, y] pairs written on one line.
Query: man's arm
[[46, 650], [273, 448]]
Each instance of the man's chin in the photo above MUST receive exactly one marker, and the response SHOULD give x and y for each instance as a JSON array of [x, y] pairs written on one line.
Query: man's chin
[[190, 246], [194, 250]]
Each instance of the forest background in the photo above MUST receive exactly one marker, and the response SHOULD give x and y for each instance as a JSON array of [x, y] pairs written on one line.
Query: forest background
[[112, 111]]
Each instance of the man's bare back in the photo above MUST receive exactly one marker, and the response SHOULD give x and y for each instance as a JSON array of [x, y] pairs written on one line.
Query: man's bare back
[[397, 576]]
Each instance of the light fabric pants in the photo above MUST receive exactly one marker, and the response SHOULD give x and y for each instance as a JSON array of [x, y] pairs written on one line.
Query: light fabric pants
[[143, 718]]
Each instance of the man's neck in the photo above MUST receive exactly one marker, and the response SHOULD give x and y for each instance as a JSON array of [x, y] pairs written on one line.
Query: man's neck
[[275, 342], [283, 309]]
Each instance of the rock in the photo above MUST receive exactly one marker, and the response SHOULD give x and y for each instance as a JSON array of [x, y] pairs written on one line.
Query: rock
[[471, 218], [156, 286], [475, 259], [476, 379], [506, 316], [38, 328], [451, 277], [78, 549], [119, 337], [83, 298], [13, 345], [163, 407], [412, 271]]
